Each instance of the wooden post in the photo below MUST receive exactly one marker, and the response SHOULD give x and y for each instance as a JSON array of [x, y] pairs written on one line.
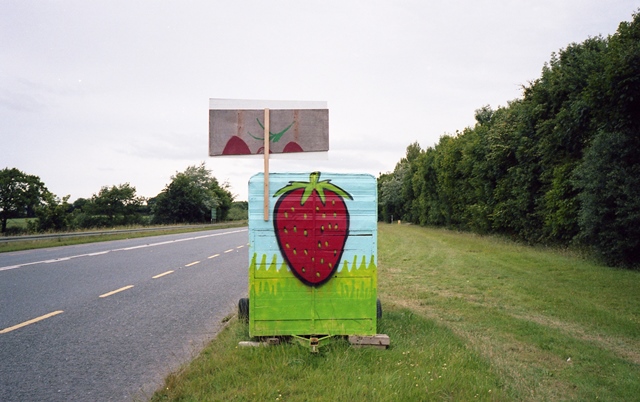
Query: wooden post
[[266, 164]]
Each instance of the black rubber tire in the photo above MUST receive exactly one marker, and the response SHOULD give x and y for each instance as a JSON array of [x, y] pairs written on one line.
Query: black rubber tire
[[243, 309], [378, 309]]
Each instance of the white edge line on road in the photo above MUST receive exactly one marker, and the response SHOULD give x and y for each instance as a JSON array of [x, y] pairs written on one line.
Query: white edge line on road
[[116, 291], [33, 321], [162, 274], [7, 268], [134, 247], [95, 254]]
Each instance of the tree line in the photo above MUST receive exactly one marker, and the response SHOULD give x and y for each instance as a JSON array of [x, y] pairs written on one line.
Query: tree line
[[559, 166], [192, 196]]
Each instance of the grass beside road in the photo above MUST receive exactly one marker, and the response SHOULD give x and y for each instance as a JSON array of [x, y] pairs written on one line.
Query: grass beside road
[[552, 325], [470, 318], [426, 360]]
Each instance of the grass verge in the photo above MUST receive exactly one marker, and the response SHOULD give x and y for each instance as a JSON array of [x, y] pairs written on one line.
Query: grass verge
[[470, 318], [411, 370]]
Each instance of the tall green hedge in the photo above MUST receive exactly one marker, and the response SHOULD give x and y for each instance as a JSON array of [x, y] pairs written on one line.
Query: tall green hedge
[[561, 165]]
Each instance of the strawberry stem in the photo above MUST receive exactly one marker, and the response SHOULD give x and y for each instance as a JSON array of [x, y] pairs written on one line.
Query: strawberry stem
[[314, 184]]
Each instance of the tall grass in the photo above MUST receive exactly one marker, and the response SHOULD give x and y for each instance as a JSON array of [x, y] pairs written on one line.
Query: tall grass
[[551, 324], [470, 318]]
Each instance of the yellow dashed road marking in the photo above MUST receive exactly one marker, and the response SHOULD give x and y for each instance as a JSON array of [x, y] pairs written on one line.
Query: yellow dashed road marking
[[33, 321], [162, 274], [116, 291], [192, 264]]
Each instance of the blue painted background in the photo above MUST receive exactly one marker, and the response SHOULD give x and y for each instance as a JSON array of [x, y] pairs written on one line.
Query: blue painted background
[[363, 212]]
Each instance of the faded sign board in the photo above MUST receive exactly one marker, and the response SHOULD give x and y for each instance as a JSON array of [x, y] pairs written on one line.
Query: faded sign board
[[313, 264], [237, 127]]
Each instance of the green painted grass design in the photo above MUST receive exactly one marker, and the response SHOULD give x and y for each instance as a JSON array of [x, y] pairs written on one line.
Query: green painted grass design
[[348, 270], [357, 280]]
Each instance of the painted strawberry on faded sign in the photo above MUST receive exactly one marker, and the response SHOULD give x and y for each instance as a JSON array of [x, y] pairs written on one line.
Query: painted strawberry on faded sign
[[311, 223]]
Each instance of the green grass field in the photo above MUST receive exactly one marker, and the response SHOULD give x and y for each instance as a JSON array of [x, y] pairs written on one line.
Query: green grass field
[[470, 318], [552, 326], [20, 223]]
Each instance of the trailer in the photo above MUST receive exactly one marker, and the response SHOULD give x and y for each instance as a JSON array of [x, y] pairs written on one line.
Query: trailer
[[313, 258]]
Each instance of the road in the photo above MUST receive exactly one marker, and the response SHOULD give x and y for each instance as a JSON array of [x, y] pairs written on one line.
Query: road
[[108, 321]]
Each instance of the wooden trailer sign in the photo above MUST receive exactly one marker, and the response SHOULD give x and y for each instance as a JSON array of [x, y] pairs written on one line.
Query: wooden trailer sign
[[238, 127], [313, 264], [312, 236]]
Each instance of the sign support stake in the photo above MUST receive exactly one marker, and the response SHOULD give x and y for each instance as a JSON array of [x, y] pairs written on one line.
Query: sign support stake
[[266, 164]]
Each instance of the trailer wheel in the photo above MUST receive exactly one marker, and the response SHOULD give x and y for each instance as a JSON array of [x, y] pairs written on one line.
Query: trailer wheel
[[378, 309], [243, 309]]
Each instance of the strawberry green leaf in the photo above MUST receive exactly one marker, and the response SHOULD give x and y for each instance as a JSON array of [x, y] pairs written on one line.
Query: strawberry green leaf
[[272, 137], [313, 185]]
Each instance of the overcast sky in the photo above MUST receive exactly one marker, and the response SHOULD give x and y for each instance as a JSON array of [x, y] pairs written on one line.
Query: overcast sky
[[100, 93]]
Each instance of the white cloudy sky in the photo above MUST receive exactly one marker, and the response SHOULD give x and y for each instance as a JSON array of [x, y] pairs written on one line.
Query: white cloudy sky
[[104, 92]]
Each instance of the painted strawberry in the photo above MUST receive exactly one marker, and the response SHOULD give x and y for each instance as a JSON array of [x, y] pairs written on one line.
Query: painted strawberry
[[236, 146], [292, 147], [311, 222]]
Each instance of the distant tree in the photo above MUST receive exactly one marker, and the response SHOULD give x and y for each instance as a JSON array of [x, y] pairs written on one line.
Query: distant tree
[[191, 196], [118, 205], [78, 205], [424, 184], [239, 211], [410, 211], [484, 114], [54, 214], [20, 195], [609, 177], [243, 205], [395, 189], [391, 199]]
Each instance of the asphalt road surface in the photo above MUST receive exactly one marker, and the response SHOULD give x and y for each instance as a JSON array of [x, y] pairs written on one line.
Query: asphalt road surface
[[108, 321]]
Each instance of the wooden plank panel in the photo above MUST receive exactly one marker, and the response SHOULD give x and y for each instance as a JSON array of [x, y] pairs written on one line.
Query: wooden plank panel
[[343, 305], [241, 132]]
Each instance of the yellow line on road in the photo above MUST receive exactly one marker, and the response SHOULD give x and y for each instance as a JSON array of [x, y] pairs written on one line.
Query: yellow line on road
[[161, 275], [116, 291], [240, 246], [193, 263], [24, 324], [228, 251], [214, 256]]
